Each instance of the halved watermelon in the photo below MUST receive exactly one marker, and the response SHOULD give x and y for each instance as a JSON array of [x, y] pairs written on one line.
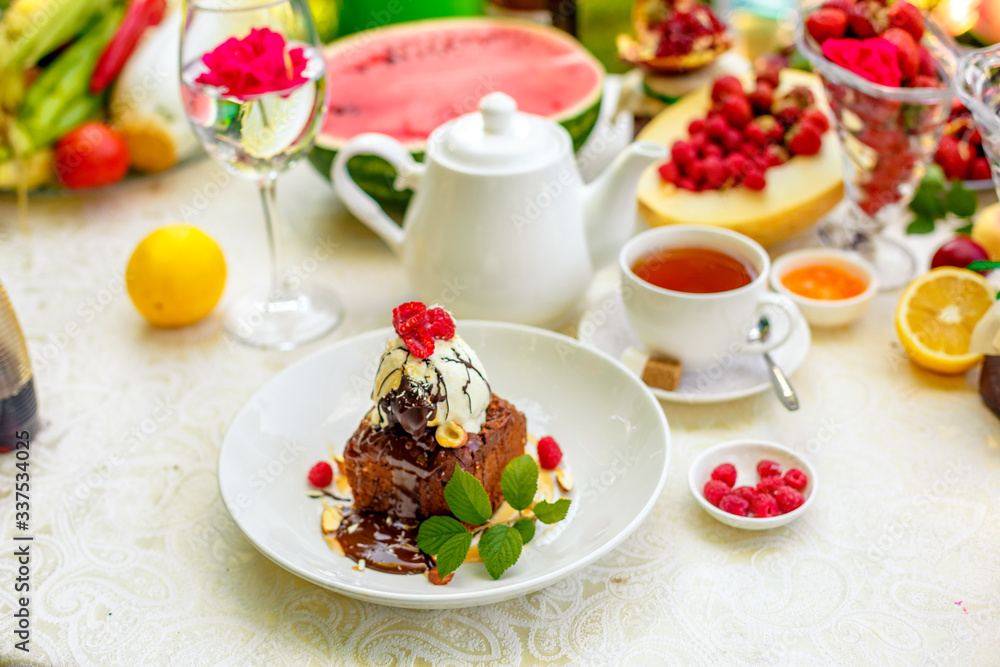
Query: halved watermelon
[[407, 79]]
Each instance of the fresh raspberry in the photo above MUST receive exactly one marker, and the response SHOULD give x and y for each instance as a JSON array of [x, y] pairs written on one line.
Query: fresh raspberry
[[762, 97], [747, 493], [736, 165], [733, 504], [796, 479], [683, 153], [716, 126], [816, 118], [434, 576], [725, 86], [826, 24], [764, 505], [732, 140], [419, 342], [770, 484], [804, 139], [766, 468], [699, 140], [669, 172], [714, 150], [787, 114], [755, 134], [321, 474], [725, 472], [907, 17], [788, 499], [909, 56], [687, 184], [549, 453], [980, 170], [715, 172], [755, 180], [408, 316], [776, 155], [868, 19], [440, 325], [954, 156], [714, 490], [696, 126], [737, 110]]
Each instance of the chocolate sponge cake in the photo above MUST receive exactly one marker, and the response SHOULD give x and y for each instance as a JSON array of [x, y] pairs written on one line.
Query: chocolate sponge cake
[[391, 470]]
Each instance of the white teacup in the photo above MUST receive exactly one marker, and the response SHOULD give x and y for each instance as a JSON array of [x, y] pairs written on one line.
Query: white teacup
[[699, 329]]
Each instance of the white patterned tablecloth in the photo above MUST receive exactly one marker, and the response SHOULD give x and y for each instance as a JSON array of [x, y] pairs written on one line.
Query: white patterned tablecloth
[[136, 562]]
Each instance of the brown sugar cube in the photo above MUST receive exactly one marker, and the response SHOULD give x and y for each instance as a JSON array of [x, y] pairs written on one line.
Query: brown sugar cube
[[660, 372]]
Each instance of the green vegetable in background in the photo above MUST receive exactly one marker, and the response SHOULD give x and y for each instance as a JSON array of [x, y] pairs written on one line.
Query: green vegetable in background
[[935, 198]]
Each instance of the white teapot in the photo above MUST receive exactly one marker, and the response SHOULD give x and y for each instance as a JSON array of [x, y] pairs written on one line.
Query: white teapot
[[501, 225]]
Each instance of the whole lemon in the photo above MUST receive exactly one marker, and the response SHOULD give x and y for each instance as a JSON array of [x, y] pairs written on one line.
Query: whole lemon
[[175, 276], [986, 230]]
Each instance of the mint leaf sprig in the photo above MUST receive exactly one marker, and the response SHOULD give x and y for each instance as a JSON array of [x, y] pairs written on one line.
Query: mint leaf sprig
[[500, 544], [935, 198]]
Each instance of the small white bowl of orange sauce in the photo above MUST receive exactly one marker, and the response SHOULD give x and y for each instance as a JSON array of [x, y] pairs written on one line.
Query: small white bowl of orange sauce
[[831, 287]]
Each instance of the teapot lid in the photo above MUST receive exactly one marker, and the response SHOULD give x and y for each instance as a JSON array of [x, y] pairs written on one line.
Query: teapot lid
[[499, 138]]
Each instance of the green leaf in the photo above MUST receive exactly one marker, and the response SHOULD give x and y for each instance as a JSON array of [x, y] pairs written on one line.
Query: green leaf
[[934, 177], [519, 482], [500, 547], [983, 265], [927, 203], [467, 498], [527, 529], [551, 512], [964, 230], [921, 225], [453, 552], [961, 201], [437, 530]]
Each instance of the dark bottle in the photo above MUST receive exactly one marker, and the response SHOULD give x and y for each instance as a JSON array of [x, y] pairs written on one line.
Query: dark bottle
[[558, 13], [18, 406]]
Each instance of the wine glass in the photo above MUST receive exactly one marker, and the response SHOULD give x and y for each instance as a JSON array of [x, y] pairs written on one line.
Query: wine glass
[[978, 86], [253, 81], [888, 137]]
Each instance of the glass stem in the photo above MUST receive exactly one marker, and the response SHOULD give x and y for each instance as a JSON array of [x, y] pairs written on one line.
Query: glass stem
[[268, 198]]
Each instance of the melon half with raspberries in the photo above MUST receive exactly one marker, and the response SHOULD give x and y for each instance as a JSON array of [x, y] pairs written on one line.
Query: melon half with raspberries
[[797, 194], [405, 80]]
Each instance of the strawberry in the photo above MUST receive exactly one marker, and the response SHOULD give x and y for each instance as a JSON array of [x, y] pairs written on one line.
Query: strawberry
[[909, 57], [927, 64], [817, 118], [755, 134], [771, 126], [905, 16], [776, 155], [954, 156], [768, 68], [408, 316], [669, 172], [867, 19], [724, 86], [826, 24], [440, 324], [762, 97], [737, 110], [754, 179], [843, 5], [716, 126], [788, 114], [980, 170], [804, 139]]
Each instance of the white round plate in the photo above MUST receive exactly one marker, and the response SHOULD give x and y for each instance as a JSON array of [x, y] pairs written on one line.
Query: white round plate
[[612, 431], [605, 327]]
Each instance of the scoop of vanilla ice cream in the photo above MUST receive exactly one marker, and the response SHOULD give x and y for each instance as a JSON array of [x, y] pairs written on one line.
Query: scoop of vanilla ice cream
[[449, 385]]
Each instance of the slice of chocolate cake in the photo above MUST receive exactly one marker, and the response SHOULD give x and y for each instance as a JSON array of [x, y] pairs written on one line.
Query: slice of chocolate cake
[[434, 409], [392, 471]]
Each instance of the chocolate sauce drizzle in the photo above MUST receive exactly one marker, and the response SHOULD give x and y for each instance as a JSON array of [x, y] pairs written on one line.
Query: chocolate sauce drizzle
[[386, 543]]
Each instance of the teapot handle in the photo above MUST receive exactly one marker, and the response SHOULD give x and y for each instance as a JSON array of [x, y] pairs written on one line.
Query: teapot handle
[[357, 200]]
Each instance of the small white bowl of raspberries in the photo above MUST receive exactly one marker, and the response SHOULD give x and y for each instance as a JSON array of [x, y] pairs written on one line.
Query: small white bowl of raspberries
[[752, 484]]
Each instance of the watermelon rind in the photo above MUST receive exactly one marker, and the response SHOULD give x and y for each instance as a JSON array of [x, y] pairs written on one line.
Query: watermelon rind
[[376, 176]]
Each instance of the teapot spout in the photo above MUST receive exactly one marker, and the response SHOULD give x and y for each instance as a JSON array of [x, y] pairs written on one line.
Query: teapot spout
[[609, 202]]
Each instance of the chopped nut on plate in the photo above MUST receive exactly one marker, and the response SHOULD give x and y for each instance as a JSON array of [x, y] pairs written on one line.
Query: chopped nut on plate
[[331, 519], [565, 479]]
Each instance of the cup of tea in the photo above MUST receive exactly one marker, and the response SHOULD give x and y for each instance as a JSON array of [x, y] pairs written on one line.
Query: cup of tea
[[693, 293]]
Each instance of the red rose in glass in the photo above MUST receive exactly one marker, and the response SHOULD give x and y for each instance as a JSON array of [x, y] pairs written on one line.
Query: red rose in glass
[[255, 65], [875, 59]]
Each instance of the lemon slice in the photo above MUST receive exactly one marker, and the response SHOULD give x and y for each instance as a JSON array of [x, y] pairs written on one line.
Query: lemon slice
[[936, 315]]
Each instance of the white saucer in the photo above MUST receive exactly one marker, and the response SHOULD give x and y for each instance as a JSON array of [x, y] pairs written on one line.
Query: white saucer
[[604, 326]]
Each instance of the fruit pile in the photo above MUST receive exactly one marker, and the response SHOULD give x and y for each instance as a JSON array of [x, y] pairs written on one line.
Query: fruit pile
[[878, 43], [674, 36], [774, 494], [960, 152], [419, 326], [745, 134]]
